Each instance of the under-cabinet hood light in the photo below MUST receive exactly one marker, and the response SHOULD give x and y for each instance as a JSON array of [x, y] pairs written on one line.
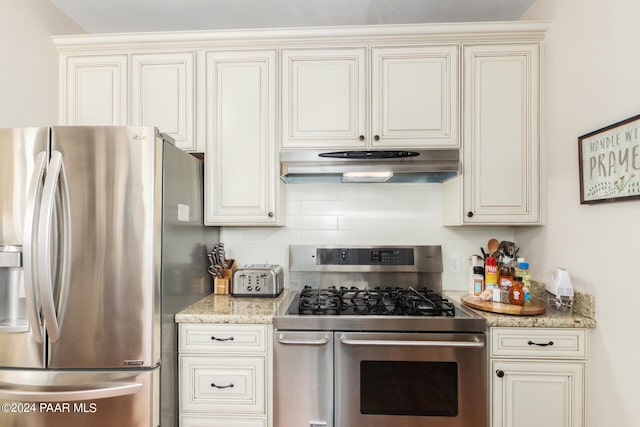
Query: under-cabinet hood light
[[382, 176]]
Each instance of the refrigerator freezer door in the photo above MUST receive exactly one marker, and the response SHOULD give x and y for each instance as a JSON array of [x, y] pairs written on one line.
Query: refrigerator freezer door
[[24, 155], [80, 399], [107, 302]]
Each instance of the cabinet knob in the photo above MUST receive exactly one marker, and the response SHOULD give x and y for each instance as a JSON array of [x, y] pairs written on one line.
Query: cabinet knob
[[469, 214], [361, 137], [376, 137], [270, 214], [500, 373]]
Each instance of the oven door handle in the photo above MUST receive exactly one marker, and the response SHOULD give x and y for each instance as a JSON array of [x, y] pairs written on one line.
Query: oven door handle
[[282, 340], [388, 343]]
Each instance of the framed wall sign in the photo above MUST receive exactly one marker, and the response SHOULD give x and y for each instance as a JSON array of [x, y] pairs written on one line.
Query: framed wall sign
[[609, 161]]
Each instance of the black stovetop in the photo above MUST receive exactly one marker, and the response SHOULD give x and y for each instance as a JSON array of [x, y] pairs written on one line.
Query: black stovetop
[[379, 301]]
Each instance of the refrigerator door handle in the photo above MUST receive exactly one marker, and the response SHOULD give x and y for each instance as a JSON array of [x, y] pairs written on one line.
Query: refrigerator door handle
[[57, 393], [28, 255], [55, 174]]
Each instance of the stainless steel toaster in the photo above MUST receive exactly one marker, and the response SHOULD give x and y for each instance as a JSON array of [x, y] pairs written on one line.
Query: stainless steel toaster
[[257, 280]]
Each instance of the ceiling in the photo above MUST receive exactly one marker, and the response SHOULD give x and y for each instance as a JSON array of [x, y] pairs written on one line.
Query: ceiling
[[117, 16]]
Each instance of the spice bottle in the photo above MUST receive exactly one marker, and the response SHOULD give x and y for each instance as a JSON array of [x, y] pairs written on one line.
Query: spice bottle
[[505, 276], [516, 292], [505, 280], [478, 281], [523, 271], [491, 277]]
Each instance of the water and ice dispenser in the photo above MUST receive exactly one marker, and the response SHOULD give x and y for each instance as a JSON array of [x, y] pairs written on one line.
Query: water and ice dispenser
[[13, 314]]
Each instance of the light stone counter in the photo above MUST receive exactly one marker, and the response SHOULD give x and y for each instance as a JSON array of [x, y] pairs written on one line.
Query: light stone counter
[[583, 314], [229, 309]]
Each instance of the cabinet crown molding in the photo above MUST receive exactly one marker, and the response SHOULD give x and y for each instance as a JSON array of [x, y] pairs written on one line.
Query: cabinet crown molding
[[481, 32]]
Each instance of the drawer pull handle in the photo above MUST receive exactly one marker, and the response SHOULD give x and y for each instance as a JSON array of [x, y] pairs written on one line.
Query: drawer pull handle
[[500, 373], [214, 385], [550, 343], [222, 339]]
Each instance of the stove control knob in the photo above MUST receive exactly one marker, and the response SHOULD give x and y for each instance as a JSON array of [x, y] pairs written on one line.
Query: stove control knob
[[257, 288], [249, 288]]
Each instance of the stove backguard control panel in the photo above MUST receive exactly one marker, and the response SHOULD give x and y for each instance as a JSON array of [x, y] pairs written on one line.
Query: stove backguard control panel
[[364, 256]]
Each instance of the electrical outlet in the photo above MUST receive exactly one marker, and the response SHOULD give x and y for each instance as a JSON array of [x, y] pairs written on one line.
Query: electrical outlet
[[454, 263]]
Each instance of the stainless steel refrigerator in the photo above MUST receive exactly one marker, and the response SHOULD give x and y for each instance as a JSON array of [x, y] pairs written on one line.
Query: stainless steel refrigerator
[[101, 243]]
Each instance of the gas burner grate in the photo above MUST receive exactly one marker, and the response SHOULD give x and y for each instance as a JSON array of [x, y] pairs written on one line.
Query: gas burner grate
[[319, 301], [387, 301]]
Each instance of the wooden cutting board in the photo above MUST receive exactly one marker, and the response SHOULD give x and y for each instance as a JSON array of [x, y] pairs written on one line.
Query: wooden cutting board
[[536, 307]]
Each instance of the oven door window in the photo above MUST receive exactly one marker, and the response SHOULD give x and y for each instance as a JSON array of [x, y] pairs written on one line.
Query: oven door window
[[409, 388]]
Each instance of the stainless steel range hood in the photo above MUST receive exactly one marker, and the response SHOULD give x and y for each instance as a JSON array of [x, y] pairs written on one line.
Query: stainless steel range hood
[[369, 166]]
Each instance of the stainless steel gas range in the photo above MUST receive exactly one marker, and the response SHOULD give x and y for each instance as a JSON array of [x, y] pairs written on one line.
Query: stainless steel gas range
[[368, 341]]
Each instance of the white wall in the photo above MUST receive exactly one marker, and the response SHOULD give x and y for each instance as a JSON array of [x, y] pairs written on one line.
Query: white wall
[[592, 79], [368, 214], [29, 71]]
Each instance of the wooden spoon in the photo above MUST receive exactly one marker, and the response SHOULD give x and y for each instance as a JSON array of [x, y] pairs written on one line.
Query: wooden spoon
[[492, 245]]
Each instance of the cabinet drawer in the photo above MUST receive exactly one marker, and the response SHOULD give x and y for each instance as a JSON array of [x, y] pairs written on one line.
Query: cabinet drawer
[[208, 338], [222, 385], [221, 422], [539, 343]]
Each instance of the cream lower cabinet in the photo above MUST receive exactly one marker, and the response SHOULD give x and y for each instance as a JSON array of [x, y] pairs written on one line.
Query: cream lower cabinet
[[225, 375], [501, 178], [241, 168], [537, 377], [409, 99]]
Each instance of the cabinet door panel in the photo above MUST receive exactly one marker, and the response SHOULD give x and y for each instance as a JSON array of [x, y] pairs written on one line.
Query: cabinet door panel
[[415, 97], [501, 157], [96, 90], [223, 385], [323, 98], [240, 170], [534, 394], [162, 95]]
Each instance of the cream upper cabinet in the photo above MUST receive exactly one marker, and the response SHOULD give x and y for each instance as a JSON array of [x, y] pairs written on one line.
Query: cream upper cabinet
[[241, 175], [95, 90], [161, 92], [501, 179], [163, 95], [324, 98], [414, 97], [379, 97]]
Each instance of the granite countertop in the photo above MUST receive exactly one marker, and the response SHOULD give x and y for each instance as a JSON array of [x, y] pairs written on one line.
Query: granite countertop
[[229, 309], [583, 314]]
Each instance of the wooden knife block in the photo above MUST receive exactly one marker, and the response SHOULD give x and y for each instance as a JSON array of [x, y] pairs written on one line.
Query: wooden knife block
[[222, 285]]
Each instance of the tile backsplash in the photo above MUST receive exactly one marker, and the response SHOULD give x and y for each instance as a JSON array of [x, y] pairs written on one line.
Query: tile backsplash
[[363, 214]]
